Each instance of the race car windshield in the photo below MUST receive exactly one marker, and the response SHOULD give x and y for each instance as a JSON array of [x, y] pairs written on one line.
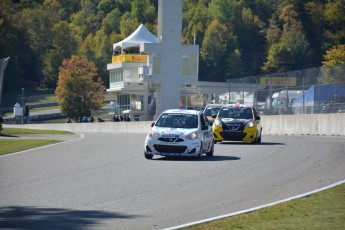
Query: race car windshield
[[211, 111], [180, 120], [238, 113]]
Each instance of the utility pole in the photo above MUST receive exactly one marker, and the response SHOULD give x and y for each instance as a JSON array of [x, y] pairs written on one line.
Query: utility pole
[[23, 101]]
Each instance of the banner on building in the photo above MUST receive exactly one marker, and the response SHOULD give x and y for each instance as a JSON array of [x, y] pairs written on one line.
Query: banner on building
[[278, 81], [129, 58]]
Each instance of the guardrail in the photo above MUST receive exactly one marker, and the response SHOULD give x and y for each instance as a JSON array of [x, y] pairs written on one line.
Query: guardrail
[[308, 124]]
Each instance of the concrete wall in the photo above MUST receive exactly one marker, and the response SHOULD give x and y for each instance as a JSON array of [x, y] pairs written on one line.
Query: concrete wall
[[309, 124], [103, 127]]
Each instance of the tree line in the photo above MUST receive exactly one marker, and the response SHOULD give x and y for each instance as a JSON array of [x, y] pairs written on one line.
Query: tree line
[[236, 37]]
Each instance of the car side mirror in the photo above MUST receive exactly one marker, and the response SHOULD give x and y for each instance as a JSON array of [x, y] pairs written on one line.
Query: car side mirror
[[152, 124], [204, 127], [214, 115], [257, 118]]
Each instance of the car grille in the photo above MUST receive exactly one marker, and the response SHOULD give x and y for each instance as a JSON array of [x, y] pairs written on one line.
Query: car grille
[[170, 139], [236, 127], [233, 131], [233, 136], [170, 148]]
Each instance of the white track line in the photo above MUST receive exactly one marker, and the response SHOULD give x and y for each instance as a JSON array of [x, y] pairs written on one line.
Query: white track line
[[255, 208]]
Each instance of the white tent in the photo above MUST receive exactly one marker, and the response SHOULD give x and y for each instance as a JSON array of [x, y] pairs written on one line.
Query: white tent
[[139, 36]]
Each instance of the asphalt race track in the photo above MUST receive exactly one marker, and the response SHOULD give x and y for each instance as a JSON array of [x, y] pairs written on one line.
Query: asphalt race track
[[104, 181]]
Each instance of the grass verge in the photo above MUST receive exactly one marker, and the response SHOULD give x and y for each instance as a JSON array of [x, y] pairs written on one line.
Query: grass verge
[[12, 146], [45, 108], [9, 131], [323, 210], [15, 145]]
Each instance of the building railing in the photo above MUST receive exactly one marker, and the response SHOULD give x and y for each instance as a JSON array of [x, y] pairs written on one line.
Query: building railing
[[126, 84]]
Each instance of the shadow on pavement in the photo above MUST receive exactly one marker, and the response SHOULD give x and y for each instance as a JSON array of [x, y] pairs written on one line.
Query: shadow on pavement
[[203, 158], [19, 217], [8, 135], [244, 143]]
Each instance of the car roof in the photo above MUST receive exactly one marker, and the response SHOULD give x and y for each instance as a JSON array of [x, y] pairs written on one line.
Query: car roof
[[237, 106], [185, 111], [214, 105]]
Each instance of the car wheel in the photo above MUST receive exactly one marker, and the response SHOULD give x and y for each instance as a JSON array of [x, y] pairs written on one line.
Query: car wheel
[[148, 156], [210, 153], [200, 152], [257, 139]]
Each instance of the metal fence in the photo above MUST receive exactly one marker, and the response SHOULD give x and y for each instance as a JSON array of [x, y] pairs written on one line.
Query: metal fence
[[307, 91]]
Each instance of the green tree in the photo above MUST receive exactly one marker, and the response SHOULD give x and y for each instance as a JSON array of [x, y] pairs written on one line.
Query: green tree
[[143, 10], [128, 24], [195, 19], [334, 65], [87, 18], [273, 32], [226, 11], [111, 23], [214, 51], [65, 8], [314, 24], [234, 65], [64, 44], [98, 49], [103, 52], [86, 48], [241, 21], [335, 17], [9, 43], [250, 31], [293, 50], [37, 24], [106, 5], [78, 90], [262, 8]]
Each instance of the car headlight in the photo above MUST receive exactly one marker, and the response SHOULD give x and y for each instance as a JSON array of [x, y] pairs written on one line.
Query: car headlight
[[250, 124], [192, 135], [152, 134], [217, 122]]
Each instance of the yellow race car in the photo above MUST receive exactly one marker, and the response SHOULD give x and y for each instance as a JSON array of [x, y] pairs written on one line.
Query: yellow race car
[[211, 110], [237, 122]]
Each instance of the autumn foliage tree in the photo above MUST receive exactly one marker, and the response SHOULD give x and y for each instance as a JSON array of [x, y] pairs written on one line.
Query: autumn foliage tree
[[78, 89], [333, 65], [335, 56]]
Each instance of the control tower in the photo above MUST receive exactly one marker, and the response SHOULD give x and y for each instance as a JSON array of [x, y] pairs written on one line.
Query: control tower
[[171, 65]]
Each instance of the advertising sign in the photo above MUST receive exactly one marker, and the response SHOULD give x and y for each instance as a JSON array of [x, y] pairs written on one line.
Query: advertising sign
[[129, 58], [278, 81]]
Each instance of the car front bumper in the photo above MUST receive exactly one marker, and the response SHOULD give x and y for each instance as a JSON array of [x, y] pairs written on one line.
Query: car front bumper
[[187, 148], [247, 135]]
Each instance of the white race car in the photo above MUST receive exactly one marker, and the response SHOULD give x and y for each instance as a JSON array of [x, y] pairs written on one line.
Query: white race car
[[179, 132]]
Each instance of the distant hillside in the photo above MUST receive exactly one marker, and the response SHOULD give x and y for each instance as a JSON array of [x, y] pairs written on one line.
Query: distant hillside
[[236, 38]]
